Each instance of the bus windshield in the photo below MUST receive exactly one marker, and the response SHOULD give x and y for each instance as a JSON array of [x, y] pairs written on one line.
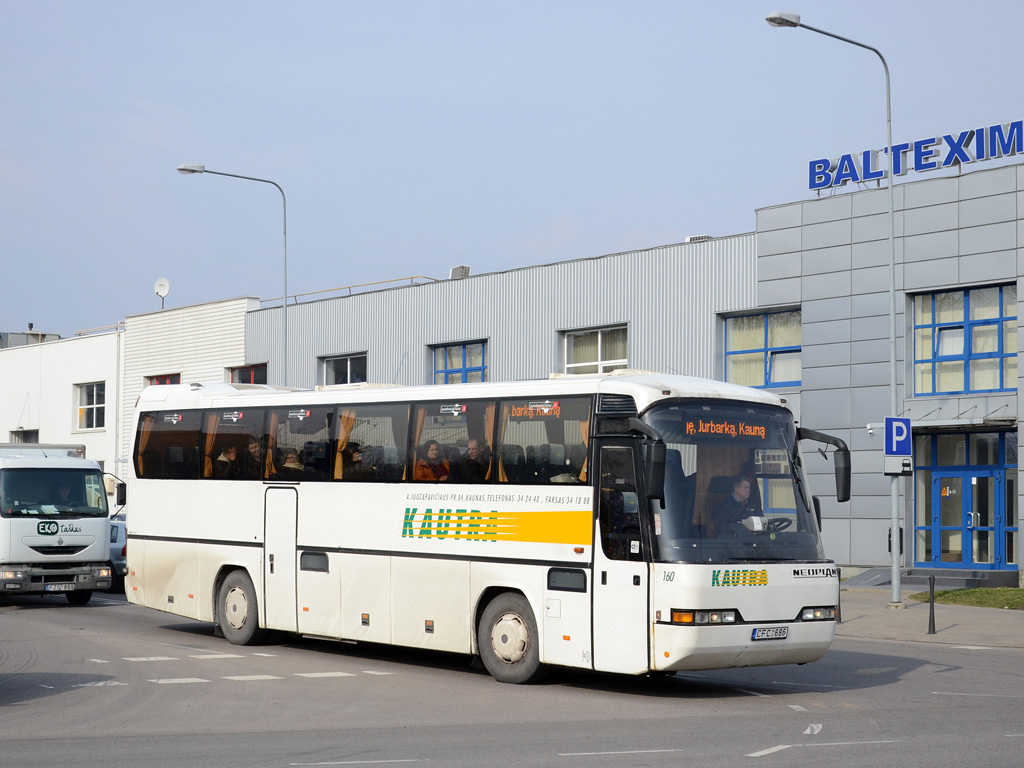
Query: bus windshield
[[70, 493], [734, 490]]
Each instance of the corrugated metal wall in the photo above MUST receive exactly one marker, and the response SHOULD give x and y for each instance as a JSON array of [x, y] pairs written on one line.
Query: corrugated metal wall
[[668, 297]]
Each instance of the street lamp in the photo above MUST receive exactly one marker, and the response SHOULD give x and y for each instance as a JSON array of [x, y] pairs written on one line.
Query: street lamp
[[793, 20], [190, 169]]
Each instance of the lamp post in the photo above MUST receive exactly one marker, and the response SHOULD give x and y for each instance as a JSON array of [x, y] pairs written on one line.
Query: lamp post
[[793, 20], [190, 169]]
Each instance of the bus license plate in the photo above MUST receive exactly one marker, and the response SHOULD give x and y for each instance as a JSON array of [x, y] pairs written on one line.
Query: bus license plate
[[60, 587], [770, 633]]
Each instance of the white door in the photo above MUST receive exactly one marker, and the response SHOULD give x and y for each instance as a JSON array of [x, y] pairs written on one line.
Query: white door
[[621, 599], [279, 534]]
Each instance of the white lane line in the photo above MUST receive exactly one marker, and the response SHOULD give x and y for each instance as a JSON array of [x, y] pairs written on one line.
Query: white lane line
[[984, 695], [324, 674], [247, 678], [151, 658], [98, 684], [813, 729], [629, 752], [173, 680], [371, 672], [797, 708], [972, 648], [753, 693], [810, 685], [216, 656], [98, 661], [268, 655], [367, 762], [781, 747]]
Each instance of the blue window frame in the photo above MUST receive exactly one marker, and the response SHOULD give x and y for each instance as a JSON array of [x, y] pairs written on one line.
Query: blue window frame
[[460, 363], [763, 350], [966, 341]]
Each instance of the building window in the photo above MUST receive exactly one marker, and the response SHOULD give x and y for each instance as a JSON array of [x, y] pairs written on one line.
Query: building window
[[763, 350], [350, 369], [164, 378], [595, 351], [91, 405], [460, 363], [25, 436], [965, 341], [249, 374]]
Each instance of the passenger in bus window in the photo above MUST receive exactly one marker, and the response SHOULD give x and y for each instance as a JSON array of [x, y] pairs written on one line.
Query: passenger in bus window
[[226, 465], [253, 461], [430, 466], [291, 467], [354, 469], [474, 465]]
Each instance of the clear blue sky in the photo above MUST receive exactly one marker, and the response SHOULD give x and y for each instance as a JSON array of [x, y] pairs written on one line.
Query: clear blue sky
[[413, 136]]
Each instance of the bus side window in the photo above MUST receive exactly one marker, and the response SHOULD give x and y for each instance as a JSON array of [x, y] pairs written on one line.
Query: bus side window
[[620, 509]]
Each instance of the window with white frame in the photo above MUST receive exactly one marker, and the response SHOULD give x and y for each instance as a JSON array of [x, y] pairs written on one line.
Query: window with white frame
[[347, 369], [92, 405], [460, 363], [966, 341], [597, 351], [763, 350]]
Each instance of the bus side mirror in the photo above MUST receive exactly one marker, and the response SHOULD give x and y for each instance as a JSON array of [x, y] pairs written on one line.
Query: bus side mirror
[[817, 510], [654, 470], [121, 495], [842, 462]]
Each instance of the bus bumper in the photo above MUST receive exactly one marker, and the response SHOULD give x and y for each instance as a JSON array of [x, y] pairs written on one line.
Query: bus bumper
[[35, 579], [678, 648]]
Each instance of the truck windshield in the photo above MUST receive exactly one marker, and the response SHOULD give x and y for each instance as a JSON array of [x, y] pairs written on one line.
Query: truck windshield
[[52, 493], [734, 490]]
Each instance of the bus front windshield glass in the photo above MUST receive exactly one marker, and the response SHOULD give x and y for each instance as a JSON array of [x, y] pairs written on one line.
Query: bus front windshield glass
[[52, 493], [734, 491]]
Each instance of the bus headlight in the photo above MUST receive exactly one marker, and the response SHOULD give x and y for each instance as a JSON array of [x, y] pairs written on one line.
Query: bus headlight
[[818, 614], [703, 617]]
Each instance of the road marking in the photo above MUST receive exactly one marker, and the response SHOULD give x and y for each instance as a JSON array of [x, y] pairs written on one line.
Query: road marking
[[98, 661], [98, 684], [769, 751], [247, 678], [752, 693], [630, 752], [268, 655], [972, 648], [781, 747], [986, 695], [150, 658], [371, 672], [217, 656], [810, 685], [366, 762], [797, 708], [324, 674], [813, 729], [172, 680]]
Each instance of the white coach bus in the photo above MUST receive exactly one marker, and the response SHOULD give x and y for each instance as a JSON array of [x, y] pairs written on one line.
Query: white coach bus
[[631, 522]]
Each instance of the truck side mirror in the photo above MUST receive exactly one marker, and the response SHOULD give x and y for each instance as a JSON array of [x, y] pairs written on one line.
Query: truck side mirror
[[121, 495]]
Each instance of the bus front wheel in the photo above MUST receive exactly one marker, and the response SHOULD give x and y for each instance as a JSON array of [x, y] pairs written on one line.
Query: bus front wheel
[[238, 612], [507, 637]]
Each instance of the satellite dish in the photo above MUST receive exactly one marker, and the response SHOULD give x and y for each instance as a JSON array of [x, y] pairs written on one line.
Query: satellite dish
[[161, 288]]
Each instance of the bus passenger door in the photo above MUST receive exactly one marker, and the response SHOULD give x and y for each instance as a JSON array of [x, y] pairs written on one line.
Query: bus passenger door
[[621, 597], [279, 535]]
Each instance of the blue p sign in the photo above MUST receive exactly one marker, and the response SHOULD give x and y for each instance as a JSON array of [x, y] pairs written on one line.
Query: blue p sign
[[897, 437]]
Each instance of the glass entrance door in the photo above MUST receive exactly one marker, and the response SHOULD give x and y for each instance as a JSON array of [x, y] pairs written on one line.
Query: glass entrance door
[[966, 501]]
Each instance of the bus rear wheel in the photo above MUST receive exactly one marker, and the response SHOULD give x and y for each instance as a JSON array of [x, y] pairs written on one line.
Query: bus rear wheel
[[79, 596], [507, 637], [238, 611]]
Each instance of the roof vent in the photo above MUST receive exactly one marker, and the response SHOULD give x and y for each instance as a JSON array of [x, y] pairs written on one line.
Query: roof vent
[[459, 272], [697, 238], [616, 405]]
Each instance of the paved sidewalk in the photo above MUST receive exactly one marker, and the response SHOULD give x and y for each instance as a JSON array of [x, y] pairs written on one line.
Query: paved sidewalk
[[865, 613]]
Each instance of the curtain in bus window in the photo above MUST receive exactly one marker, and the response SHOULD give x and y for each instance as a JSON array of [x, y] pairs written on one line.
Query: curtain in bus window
[[145, 430], [271, 444], [208, 443], [346, 418], [585, 435]]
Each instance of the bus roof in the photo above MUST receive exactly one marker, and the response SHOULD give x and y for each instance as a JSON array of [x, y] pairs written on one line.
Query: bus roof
[[645, 387]]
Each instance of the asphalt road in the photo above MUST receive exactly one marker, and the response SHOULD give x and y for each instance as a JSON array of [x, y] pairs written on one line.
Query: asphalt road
[[111, 684]]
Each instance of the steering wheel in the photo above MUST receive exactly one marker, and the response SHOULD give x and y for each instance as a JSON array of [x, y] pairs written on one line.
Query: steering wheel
[[776, 525]]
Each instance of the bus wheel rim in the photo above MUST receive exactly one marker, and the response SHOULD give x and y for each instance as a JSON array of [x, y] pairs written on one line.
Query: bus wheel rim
[[236, 608], [510, 638]]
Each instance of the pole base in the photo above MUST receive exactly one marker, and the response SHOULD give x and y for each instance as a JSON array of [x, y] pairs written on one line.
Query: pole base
[[896, 606]]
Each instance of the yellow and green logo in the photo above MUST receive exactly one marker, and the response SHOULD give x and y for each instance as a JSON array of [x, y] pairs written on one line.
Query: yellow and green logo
[[740, 577], [541, 527]]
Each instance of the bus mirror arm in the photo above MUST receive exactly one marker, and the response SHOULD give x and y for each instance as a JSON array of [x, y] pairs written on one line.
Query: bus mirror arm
[[654, 460], [841, 459]]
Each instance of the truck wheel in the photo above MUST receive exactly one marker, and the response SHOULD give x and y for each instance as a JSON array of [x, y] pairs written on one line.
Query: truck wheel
[[79, 596], [507, 638], [238, 610]]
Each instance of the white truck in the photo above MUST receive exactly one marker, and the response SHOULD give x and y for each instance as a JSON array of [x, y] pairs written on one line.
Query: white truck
[[54, 522]]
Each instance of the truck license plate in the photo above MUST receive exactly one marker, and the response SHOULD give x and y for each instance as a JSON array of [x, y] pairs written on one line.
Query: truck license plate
[[770, 633], [60, 587]]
